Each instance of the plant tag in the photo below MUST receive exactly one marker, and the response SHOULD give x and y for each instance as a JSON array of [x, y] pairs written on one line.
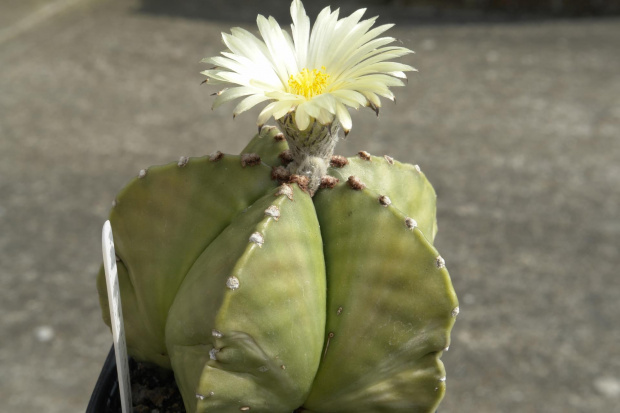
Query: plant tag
[[116, 316]]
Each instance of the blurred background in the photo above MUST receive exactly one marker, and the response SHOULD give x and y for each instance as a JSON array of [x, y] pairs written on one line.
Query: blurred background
[[514, 116]]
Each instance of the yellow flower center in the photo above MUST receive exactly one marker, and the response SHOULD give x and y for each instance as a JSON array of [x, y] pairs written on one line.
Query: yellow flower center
[[308, 83]]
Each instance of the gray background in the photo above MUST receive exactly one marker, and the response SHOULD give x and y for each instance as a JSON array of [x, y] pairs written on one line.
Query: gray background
[[516, 123]]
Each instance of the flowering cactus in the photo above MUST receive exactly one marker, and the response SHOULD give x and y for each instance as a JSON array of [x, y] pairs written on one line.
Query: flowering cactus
[[287, 278]]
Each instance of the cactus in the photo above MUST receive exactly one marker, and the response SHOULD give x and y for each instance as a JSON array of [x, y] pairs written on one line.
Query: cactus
[[285, 278], [223, 273]]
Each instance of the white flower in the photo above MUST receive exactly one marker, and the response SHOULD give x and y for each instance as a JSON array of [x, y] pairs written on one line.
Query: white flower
[[315, 73]]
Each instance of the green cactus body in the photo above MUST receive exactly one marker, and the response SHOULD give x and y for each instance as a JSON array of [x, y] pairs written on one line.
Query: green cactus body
[[262, 298], [268, 144], [255, 300], [162, 221], [388, 318], [404, 184]]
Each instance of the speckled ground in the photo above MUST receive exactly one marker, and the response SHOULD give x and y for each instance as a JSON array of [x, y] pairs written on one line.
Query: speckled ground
[[517, 124]]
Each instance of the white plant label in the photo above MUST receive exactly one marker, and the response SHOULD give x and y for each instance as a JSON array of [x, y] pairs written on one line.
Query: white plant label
[[116, 316]]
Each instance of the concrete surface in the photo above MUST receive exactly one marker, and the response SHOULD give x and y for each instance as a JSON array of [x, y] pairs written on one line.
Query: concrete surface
[[516, 124]]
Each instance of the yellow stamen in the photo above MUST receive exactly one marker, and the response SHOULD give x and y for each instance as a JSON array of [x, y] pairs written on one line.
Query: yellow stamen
[[308, 83]]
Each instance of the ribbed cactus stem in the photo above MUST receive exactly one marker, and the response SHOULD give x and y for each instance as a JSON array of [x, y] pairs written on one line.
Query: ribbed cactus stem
[[311, 149]]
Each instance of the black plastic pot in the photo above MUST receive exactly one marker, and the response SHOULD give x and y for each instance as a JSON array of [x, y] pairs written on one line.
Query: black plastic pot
[[106, 395]]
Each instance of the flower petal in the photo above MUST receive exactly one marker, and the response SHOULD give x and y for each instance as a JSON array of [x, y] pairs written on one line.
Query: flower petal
[[344, 117], [301, 32], [356, 67], [248, 103], [373, 99], [272, 108], [378, 68], [282, 109], [321, 36], [266, 113], [326, 102], [325, 117], [371, 50], [302, 118], [350, 98], [232, 94], [279, 48], [312, 108], [342, 31]]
